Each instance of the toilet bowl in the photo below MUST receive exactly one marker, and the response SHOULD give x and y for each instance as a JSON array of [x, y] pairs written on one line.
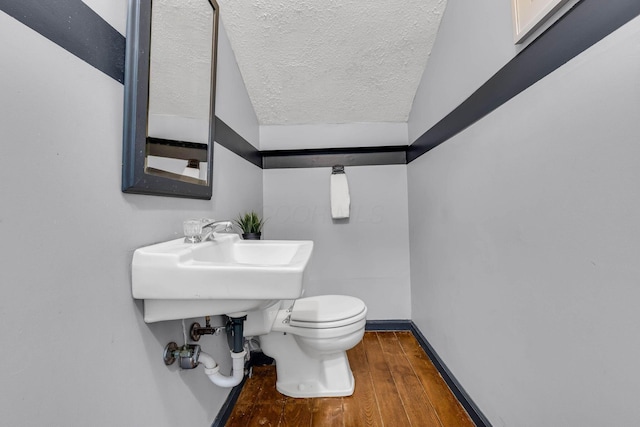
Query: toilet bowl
[[308, 338]]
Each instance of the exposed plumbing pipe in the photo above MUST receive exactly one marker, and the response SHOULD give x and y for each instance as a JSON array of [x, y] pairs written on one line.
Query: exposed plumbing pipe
[[212, 369]]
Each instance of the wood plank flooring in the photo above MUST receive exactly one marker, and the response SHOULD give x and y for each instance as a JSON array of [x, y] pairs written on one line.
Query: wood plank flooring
[[396, 385]]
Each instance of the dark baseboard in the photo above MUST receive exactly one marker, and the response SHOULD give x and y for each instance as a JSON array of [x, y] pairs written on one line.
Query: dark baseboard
[[387, 325], [227, 406], [407, 325], [458, 391]]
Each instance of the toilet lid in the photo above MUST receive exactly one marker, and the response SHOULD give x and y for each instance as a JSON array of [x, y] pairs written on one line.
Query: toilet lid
[[324, 309]]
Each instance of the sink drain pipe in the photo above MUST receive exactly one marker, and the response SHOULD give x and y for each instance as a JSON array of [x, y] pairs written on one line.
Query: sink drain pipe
[[235, 331], [212, 369], [191, 356]]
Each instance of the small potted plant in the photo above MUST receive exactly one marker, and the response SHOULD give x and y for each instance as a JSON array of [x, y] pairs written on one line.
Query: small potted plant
[[251, 225]]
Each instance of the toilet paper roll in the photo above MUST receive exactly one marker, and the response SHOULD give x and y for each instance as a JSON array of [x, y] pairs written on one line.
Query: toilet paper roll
[[340, 199]]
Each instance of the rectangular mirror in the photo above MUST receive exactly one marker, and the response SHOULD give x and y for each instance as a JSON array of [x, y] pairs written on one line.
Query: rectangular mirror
[[170, 97]]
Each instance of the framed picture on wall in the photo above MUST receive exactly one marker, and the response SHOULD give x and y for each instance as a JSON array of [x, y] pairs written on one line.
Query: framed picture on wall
[[529, 15]]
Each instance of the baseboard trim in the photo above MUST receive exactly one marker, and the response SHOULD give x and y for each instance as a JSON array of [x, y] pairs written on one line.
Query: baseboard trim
[[458, 391], [227, 406], [456, 388], [387, 325]]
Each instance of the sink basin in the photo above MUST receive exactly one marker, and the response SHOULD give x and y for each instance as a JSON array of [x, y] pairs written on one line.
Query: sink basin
[[227, 275]]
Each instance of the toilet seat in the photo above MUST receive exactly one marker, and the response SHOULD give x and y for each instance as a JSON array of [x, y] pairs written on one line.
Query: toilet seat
[[327, 311]]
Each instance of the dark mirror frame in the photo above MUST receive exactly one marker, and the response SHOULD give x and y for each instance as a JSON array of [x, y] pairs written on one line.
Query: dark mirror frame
[[136, 97]]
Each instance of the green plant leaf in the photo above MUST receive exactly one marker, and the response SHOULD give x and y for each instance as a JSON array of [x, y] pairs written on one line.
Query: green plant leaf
[[249, 222]]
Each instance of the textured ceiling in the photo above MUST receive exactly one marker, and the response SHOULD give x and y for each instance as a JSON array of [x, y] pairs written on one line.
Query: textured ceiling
[[331, 61]]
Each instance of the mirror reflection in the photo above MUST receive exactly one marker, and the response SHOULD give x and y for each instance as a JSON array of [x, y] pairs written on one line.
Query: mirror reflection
[[180, 89]]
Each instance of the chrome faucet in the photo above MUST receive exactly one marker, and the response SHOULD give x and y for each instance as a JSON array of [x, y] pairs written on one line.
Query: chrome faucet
[[194, 229], [215, 226]]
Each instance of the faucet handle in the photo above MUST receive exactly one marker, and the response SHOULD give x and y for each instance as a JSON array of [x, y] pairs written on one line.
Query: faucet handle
[[192, 231]]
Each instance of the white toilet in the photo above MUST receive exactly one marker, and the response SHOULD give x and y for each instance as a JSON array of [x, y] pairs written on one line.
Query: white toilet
[[308, 338]]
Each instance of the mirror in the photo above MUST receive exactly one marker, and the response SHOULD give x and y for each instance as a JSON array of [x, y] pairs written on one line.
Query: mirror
[[169, 118]]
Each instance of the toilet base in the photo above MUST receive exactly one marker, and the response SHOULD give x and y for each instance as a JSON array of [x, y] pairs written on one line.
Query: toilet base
[[300, 375]]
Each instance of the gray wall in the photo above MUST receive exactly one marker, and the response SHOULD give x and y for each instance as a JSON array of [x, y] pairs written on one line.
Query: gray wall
[[76, 351], [524, 228], [366, 256]]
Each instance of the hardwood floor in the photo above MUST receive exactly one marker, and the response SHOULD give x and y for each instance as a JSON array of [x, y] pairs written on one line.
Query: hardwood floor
[[396, 385]]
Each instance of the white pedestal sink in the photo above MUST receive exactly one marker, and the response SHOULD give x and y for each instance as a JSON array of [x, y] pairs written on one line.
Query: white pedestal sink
[[227, 275]]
